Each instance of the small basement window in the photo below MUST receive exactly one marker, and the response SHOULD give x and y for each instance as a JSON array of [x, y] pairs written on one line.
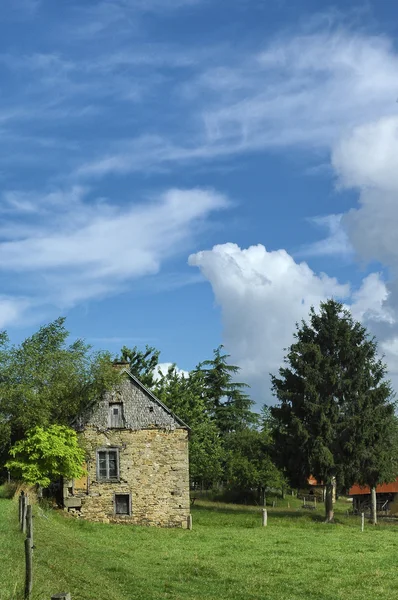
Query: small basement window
[[116, 415], [123, 504], [108, 464]]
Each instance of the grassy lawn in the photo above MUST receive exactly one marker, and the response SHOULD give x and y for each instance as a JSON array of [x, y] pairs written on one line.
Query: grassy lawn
[[227, 555]]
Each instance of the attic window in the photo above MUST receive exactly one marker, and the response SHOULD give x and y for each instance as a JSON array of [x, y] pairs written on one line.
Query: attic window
[[150, 408], [116, 415]]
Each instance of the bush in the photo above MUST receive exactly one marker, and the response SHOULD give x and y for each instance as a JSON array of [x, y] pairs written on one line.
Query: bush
[[7, 490]]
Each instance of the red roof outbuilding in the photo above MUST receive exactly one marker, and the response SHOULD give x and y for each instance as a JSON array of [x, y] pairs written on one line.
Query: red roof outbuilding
[[385, 488]]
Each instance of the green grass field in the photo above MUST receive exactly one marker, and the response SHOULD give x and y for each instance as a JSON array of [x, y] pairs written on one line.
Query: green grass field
[[227, 555]]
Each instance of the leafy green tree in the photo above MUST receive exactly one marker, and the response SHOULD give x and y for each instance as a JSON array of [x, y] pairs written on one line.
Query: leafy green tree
[[142, 363], [331, 371], [45, 381], [45, 454], [226, 401], [268, 426], [249, 463], [184, 396]]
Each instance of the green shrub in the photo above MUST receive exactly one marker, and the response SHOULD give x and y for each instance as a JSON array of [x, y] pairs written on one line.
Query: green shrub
[[7, 490]]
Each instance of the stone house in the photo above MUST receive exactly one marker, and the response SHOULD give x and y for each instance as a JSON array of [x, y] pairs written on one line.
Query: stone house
[[137, 460]]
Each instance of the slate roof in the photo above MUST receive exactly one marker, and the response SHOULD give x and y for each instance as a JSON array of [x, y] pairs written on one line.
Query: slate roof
[[141, 408]]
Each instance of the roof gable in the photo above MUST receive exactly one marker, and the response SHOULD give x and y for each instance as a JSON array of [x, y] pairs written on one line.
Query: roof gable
[[141, 408]]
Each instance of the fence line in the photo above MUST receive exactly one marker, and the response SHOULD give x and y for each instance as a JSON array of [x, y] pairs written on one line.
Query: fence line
[[25, 517]]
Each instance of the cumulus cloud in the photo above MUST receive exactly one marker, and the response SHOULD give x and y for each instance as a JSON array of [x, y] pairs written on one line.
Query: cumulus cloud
[[163, 368], [369, 302], [366, 160], [263, 294]]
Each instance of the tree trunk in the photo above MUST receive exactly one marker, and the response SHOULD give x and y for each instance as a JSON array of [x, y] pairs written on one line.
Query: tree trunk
[[283, 492], [329, 512], [373, 504]]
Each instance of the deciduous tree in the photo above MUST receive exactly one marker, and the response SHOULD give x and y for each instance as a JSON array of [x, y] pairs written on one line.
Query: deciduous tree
[[45, 454], [45, 381]]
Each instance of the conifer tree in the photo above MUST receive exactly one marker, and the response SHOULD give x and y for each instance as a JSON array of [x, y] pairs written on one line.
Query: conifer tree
[[226, 399], [142, 363], [331, 393]]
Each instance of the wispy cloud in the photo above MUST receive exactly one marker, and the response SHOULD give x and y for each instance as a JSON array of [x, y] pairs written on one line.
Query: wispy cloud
[[93, 253], [302, 92], [20, 9], [108, 17], [335, 244]]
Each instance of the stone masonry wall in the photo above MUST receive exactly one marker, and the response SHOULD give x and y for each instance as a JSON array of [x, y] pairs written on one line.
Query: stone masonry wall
[[153, 469]]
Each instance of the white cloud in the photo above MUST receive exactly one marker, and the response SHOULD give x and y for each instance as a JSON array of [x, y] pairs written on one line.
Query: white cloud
[[263, 295], [337, 242], [163, 368], [12, 310], [98, 248], [300, 91], [305, 90], [369, 302], [366, 157]]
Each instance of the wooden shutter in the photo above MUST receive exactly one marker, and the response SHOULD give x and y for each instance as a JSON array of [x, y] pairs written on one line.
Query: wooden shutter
[[116, 415]]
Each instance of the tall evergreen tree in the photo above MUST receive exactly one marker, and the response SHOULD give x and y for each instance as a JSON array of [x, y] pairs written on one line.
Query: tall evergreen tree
[[226, 400], [142, 363], [331, 373]]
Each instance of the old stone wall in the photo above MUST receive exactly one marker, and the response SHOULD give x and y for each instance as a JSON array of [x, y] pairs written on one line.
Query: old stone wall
[[153, 468]]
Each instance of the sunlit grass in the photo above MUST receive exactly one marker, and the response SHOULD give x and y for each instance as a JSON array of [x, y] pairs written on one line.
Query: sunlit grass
[[227, 555]]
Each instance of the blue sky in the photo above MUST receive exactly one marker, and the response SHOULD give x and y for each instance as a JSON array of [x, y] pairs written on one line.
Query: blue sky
[[189, 172]]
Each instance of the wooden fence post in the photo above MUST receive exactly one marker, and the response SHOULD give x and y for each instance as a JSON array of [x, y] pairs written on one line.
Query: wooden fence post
[[189, 522], [61, 596], [21, 495], [362, 521], [28, 569], [265, 517], [23, 513], [29, 524], [314, 502]]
